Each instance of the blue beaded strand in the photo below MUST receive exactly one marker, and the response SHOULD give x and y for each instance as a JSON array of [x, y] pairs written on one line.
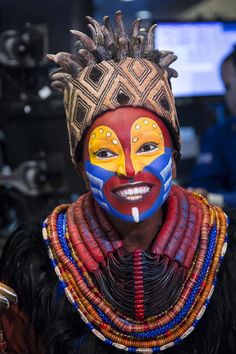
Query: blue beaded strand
[[61, 230]]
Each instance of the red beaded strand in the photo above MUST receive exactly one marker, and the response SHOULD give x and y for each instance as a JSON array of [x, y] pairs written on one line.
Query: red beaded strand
[[138, 286], [194, 240], [96, 230], [79, 246], [166, 231], [87, 237], [192, 230], [108, 228], [179, 230]]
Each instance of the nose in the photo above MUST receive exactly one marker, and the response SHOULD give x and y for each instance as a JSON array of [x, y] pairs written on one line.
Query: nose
[[121, 170], [126, 169], [130, 171]]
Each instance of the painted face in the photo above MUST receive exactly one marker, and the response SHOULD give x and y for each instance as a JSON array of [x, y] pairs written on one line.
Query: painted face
[[128, 161]]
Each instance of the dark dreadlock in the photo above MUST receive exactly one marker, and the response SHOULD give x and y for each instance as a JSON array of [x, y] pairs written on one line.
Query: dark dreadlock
[[109, 44]]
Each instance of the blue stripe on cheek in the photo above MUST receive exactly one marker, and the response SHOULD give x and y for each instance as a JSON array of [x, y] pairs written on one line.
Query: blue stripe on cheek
[[97, 179], [161, 167], [99, 176]]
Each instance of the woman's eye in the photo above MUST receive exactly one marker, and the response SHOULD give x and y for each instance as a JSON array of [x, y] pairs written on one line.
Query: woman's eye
[[147, 147], [104, 154]]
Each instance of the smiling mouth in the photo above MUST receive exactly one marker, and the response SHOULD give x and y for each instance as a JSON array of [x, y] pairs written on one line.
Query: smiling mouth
[[132, 192]]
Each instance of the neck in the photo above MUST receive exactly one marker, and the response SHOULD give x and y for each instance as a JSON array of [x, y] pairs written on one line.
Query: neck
[[138, 235]]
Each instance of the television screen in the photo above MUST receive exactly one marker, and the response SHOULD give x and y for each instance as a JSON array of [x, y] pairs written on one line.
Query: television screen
[[200, 47]]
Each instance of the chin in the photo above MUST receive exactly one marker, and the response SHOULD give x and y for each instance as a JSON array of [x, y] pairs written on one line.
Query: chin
[[136, 211]]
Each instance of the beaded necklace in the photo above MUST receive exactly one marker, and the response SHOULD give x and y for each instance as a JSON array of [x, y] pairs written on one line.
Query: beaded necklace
[[80, 238]]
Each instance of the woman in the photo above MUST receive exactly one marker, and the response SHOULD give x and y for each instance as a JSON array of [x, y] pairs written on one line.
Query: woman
[[132, 265], [214, 174]]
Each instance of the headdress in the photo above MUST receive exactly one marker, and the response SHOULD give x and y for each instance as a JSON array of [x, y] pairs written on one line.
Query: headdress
[[113, 70]]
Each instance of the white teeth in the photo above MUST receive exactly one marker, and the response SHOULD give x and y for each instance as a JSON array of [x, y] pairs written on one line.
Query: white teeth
[[134, 197], [130, 191], [133, 193]]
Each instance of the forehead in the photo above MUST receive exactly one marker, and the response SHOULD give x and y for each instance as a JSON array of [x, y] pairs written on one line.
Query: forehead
[[122, 119]]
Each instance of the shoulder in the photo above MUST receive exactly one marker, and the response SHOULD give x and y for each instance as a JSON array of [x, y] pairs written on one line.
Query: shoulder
[[212, 130], [229, 263], [222, 129], [231, 213], [221, 317], [218, 130], [216, 330]]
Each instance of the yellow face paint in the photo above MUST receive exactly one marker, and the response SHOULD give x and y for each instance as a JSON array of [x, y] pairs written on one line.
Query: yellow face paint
[[104, 137], [124, 150], [145, 131]]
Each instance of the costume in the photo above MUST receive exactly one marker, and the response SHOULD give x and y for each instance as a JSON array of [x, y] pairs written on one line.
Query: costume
[[58, 324], [90, 286], [215, 167]]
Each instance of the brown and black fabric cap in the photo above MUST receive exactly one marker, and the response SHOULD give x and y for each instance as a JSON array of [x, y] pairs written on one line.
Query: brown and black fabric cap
[[111, 71]]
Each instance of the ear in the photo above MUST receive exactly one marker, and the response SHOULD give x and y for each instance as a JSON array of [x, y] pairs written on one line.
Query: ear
[[174, 168]]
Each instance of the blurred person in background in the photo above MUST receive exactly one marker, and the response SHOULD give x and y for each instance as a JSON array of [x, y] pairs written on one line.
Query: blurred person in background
[[214, 174]]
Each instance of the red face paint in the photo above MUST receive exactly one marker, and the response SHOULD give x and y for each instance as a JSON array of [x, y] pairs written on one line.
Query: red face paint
[[126, 142]]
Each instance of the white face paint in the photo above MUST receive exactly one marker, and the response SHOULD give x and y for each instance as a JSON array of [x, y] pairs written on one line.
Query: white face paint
[[135, 213]]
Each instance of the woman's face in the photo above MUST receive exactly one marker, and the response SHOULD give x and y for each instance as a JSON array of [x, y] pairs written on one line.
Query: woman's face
[[127, 156]]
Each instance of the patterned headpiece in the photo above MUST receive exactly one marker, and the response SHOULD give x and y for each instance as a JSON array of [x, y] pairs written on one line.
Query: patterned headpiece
[[113, 70]]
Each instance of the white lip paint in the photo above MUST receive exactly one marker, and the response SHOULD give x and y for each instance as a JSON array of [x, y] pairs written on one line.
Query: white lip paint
[[135, 213]]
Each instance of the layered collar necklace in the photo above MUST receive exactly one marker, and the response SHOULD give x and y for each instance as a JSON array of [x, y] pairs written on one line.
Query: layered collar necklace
[[144, 301]]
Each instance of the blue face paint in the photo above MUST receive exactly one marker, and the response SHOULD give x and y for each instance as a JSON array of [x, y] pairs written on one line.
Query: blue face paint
[[160, 170], [98, 177]]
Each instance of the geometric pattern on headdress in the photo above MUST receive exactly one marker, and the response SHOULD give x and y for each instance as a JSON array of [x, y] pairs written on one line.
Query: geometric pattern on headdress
[[113, 69], [109, 85]]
